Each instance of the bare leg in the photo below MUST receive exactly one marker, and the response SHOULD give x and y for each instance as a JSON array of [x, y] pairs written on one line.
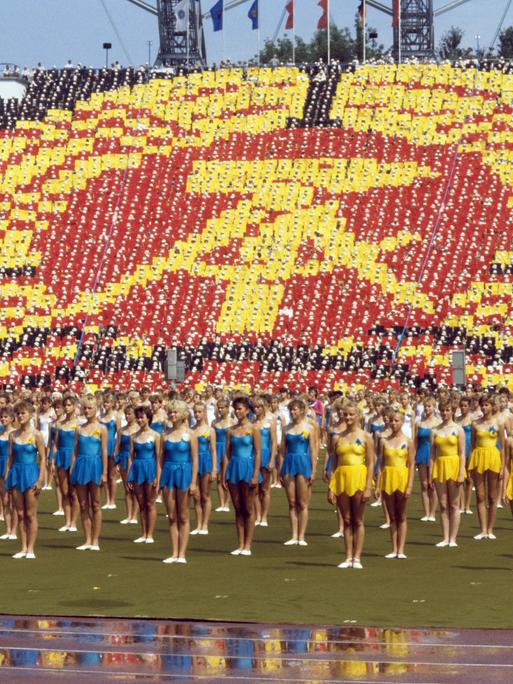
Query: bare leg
[[427, 494], [141, 500], [96, 513], [344, 506], [221, 493], [493, 486], [19, 504], [248, 509], [151, 509], [67, 499], [357, 513], [302, 501], [31, 503], [401, 503], [236, 496], [6, 505], [196, 498], [182, 512], [454, 490], [169, 497], [112, 475], [205, 483], [264, 494], [290, 490], [443, 498], [479, 485], [83, 502], [390, 507]]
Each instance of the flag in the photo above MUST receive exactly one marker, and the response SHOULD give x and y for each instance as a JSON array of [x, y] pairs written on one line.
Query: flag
[[361, 14], [323, 21], [217, 15], [181, 16], [395, 17], [253, 15], [289, 7]]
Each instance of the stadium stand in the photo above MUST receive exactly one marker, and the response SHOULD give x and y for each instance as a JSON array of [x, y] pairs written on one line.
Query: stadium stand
[[326, 226]]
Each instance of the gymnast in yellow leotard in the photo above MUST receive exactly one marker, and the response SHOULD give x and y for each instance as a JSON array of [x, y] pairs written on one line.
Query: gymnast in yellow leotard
[[447, 471], [350, 481], [395, 480], [486, 464]]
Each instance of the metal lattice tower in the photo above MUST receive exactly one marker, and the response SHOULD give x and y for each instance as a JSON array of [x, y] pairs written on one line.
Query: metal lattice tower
[[184, 47], [416, 29]]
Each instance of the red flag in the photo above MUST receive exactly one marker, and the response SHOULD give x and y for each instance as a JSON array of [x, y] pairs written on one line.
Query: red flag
[[395, 17], [361, 14], [323, 21], [290, 19]]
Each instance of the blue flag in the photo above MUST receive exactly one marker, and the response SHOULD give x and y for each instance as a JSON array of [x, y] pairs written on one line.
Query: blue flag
[[217, 15], [253, 15]]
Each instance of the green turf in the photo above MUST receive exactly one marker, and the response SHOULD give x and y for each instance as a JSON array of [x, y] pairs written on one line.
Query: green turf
[[465, 587]]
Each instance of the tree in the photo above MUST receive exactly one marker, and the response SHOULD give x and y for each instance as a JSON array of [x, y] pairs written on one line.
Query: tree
[[449, 46], [506, 43], [372, 49]]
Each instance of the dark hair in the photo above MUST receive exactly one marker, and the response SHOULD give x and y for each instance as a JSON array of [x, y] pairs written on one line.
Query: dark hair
[[297, 403], [7, 411], [58, 403], [314, 389], [146, 411], [242, 401]]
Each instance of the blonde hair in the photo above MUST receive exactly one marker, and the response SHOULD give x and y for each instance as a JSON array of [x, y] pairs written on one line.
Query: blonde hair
[[180, 407]]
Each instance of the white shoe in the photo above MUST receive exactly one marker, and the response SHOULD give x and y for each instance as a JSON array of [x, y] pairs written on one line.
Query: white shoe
[[391, 555], [158, 499], [357, 564], [469, 512], [5, 536], [64, 528], [402, 556], [302, 542], [105, 507], [375, 504], [94, 547], [264, 523], [291, 542], [337, 535], [257, 523], [226, 509], [196, 531], [346, 564], [171, 559], [140, 540], [32, 556], [452, 544], [149, 540], [245, 552], [84, 547], [431, 518], [72, 529], [236, 552], [491, 535], [385, 526], [125, 521], [481, 535], [499, 505], [13, 537], [20, 554], [219, 509], [112, 507], [203, 532], [133, 522], [181, 560], [58, 513], [425, 518], [442, 543]]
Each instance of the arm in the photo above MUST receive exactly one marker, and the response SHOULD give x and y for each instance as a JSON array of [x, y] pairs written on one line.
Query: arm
[[130, 459], [256, 447], [41, 449], [432, 456], [379, 456], [213, 451], [75, 449], [369, 451], [461, 450], [118, 436], [158, 458], [411, 468], [194, 456], [10, 456], [103, 438], [274, 444], [502, 437], [226, 458], [281, 453], [314, 446]]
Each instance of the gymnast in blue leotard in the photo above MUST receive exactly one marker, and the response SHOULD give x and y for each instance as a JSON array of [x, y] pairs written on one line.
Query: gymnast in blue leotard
[[6, 421], [242, 473], [298, 457], [422, 444], [221, 426], [266, 423], [178, 479], [159, 414], [88, 472], [207, 468], [112, 422], [121, 461], [335, 426], [26, 465], [144, 471], [64, 445], [465, 420]]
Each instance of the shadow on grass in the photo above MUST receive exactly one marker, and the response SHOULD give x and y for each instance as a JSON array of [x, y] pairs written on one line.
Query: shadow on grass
[[95, 603], [482, 567]]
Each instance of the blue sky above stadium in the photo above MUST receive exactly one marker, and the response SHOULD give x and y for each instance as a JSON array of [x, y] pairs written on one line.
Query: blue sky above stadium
[[53, 31]]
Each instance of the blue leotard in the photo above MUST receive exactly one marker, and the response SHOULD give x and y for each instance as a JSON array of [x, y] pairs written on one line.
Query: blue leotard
[[124, 451], [220, 445], [297, 459], [4, 455], [144, 464], [65, 449], [204, 456], [177, 465], [88, 466], [373, 430], [242, 460], [265, 446], [24, 472], [467, 429], [423, 446], [111, 436], [51, 443], [158, 427]]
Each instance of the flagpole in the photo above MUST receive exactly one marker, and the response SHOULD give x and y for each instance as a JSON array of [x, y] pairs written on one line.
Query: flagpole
[[188, 29], [399, 54], [364, 31], [294, 32], [329, 37], [222, 30]]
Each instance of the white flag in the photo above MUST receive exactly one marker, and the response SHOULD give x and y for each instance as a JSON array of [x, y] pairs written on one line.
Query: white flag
[[182, 16]]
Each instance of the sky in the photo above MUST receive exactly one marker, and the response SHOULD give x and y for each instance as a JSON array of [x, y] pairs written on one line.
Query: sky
[[55, 31]]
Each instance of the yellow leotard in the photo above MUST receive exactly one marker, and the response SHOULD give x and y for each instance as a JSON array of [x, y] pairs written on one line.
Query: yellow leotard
[[485, 456], [447, 460], [350, 475], [394, 477]]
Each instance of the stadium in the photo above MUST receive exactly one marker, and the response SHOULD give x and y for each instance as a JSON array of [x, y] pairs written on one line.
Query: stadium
[[332, 237]]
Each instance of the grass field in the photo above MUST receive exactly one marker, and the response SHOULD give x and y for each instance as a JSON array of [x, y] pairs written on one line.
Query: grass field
[[469, 586]]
